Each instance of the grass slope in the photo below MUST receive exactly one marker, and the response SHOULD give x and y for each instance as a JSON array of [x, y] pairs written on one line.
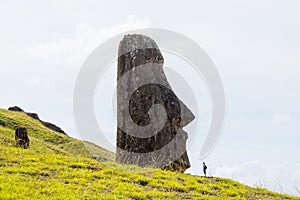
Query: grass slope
[[59, 167]]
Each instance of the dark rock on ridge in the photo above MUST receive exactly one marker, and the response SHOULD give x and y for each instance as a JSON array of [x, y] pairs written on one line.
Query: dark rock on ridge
[[15, 108], [35, 116], [52, 127]]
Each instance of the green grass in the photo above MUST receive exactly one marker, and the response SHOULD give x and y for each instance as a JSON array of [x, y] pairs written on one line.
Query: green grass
[[59, 167]]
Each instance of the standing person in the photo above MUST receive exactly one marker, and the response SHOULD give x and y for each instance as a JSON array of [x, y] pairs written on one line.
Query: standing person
[[204, 168]]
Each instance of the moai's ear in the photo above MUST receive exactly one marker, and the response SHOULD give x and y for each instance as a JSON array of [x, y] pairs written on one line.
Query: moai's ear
[[186, 115]]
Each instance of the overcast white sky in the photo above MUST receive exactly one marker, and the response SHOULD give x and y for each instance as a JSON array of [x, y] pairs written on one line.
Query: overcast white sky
[[255, 46]]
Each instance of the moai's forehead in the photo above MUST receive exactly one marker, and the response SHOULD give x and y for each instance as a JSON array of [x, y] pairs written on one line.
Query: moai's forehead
[[141, 49]]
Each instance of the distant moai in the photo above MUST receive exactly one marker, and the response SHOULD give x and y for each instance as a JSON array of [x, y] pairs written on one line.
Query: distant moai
[[21, 137], [144, 87]]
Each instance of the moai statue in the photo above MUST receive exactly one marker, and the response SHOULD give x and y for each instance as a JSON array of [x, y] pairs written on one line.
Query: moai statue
[[150, 115], [21, 137]]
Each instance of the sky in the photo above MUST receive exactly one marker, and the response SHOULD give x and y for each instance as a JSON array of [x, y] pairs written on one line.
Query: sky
[[254, 45]]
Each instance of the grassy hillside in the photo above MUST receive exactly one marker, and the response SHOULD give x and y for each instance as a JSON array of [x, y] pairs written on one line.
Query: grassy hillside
[[59, 167], [44, 139]]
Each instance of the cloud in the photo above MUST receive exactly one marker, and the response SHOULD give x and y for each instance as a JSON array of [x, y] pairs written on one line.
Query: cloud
[[278, 177], [34, 81], [280, 117], [73, 51]]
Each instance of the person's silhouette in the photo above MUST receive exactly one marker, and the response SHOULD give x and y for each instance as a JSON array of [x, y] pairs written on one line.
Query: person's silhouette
[[204, 168]]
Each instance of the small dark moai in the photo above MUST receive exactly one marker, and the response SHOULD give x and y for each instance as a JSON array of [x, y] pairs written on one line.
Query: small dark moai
[[150, 115], [21, 137]]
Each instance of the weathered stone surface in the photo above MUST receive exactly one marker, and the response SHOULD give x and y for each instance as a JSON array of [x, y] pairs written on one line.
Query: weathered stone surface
[[33, 115], [52, 127], [166, 148], [15, 108], [21, 137], [36, 116]]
